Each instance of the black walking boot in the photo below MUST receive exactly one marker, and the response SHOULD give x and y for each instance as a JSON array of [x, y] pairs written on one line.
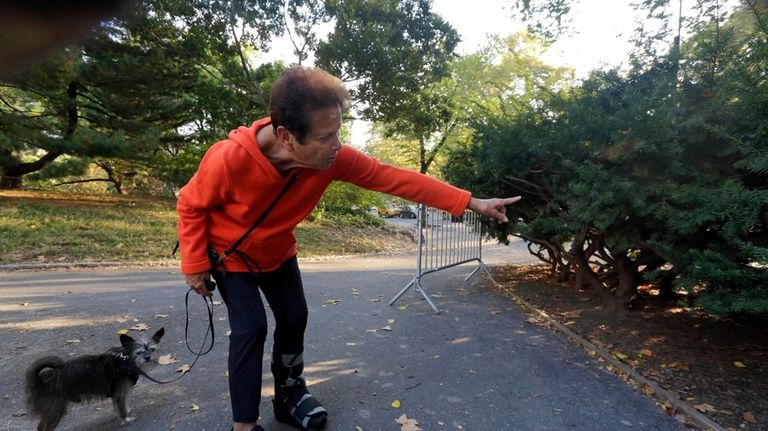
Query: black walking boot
[[293, 404]]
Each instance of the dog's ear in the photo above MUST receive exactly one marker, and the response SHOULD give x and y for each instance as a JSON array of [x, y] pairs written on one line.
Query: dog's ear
[[158, 335], [126, 340]]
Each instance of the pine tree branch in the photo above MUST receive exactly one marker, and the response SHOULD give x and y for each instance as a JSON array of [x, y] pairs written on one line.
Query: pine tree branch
[[759, 14], [87, 180], [35, 92], [533, 188]]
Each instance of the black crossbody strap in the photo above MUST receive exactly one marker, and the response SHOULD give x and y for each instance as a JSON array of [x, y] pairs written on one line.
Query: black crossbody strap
[[261, 218]]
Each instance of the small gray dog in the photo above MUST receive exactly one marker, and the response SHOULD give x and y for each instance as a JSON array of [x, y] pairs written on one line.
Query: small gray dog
[[52, 382]]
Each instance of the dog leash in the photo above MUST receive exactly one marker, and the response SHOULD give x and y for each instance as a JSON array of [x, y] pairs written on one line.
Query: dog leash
[[209, 308]]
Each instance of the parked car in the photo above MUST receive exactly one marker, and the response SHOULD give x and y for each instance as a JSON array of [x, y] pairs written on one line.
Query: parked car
[[408, 211], [390, 210]]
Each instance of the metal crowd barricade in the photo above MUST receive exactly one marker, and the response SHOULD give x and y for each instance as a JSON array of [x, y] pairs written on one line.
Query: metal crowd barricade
[[445, 241]]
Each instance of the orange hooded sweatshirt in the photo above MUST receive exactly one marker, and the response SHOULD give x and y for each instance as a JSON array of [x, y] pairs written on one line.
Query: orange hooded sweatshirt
[[235, 184]]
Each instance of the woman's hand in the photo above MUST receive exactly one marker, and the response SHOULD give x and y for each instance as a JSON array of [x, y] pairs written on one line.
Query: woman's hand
[[494, 208], [198, 283]]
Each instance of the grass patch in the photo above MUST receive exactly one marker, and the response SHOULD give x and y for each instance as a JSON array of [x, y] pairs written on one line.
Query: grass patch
[[38, 227], [47, 227]]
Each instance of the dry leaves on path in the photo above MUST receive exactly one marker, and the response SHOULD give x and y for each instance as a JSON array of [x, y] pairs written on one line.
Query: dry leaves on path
[[407, 424], [140, 327], [167, 359]]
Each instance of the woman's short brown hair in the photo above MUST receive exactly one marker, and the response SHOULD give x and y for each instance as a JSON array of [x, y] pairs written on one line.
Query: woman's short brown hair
[[300, 90]]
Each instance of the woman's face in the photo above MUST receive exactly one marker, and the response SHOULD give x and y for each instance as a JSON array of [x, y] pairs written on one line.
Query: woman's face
[[321, 143]]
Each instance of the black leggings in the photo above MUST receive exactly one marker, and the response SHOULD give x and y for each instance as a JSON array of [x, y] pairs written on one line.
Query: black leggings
[[285, 295]]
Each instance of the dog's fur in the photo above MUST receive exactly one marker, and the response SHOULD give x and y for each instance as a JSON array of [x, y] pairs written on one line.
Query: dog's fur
[[52, 382]]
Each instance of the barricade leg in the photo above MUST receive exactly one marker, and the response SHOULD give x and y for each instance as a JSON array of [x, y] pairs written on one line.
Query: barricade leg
[[405, 289], [417, 287], [427, 297], [481, 265]]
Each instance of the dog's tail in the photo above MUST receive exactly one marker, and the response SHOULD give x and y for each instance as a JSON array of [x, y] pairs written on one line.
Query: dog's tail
[[36, 382]]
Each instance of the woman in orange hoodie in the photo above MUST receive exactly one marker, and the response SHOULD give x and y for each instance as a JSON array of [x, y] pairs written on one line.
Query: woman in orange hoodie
[[279, 167]]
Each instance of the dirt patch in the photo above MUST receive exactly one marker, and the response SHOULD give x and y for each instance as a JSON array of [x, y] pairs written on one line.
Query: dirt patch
[[719, 366], [78, 200]]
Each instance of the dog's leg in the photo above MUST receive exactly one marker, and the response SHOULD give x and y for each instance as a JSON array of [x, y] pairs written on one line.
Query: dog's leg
[[120, 401], [52, 414]]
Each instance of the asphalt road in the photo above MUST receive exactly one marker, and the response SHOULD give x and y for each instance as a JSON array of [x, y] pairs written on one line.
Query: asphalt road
[[478, 365]]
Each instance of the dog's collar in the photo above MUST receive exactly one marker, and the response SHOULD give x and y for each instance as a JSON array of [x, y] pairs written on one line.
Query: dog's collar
[[126, 367]]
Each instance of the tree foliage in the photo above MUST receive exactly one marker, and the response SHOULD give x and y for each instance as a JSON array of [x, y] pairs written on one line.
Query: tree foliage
[[117, 97], [390, 49], [649, 177], [148, 92]]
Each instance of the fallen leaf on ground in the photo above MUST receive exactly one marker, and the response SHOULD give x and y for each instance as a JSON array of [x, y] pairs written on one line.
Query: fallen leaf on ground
[[387, 328], [575, 314], [73, 341], [739, 364], [140, 327], [655, 375], [676, 365], [332, 301], [167, 359], [160, 316], [194, 408], [395, 404], [621, 356], [705, 408], [402, 307], [646, 352], [184, 369], [749, 417], [407, 424], [122, 331]]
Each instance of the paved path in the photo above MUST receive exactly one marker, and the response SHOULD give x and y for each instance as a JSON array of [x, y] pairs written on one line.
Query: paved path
[[476, 366]]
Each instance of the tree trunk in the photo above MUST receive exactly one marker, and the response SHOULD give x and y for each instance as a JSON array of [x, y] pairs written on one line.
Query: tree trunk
[[626, 288], [12, 176], [585, 277], [14, 169], [10, 182]]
